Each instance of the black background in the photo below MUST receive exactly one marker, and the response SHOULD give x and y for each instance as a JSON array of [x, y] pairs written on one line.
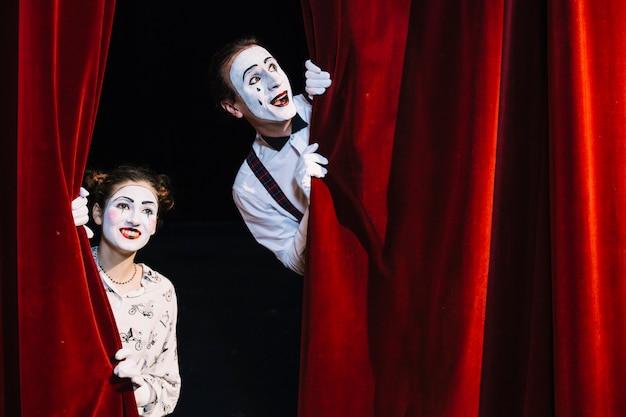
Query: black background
[[239, 309], [155, 107]]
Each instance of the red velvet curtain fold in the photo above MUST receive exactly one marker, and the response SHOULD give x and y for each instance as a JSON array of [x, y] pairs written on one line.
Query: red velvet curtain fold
[[67, 335], [466, 249], [587, 63]]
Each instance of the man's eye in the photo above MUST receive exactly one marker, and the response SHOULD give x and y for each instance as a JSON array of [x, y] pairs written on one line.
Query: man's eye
[[273, 67], [253, 80]]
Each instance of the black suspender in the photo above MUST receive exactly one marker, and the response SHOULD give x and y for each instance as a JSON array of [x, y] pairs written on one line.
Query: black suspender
[[271, 185]]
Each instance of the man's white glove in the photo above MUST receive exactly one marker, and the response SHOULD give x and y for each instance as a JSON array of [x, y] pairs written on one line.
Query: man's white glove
[[317, 81], [80, 211], [310, 165], [127, 368]]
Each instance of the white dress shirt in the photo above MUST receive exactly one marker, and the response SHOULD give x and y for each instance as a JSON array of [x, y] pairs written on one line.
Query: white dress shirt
[[270, 224]]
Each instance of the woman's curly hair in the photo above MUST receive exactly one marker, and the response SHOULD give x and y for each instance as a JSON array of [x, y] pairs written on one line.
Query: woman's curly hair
[[103, 184]]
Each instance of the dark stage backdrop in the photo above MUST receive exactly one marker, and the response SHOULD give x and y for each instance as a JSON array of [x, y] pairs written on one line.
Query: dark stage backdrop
[[155, 106]]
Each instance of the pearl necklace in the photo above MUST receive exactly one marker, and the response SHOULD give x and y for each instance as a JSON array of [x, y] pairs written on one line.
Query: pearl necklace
[[118, 282]]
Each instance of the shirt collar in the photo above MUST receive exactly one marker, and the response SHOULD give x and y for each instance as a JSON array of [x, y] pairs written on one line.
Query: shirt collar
[[277, 143]]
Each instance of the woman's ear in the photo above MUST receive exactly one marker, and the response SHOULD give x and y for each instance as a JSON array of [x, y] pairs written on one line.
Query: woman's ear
[[96, 214]]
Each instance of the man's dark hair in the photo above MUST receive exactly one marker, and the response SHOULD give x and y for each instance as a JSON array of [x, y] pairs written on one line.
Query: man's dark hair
[[220, 87]]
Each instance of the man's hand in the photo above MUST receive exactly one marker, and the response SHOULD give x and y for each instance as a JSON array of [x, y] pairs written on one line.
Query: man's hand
[[80, 211], [310, 164], [317, 81]]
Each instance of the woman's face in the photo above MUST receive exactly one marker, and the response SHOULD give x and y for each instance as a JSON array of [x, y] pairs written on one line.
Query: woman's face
[[130, 217], [262, 85]]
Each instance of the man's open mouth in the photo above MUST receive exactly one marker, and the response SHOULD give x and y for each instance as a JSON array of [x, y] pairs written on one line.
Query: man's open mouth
[[281, 100]]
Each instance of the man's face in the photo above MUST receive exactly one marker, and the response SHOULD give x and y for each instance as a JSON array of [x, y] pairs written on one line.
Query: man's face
[[262, 85], [130, 217]]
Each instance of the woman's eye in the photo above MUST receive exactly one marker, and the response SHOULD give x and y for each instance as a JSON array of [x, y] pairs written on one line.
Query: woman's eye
[[123, 206], [255, 79], [149, 212], [273, 67]]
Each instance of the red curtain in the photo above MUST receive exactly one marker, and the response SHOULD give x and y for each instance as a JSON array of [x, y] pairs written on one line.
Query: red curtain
[[67, 335], [467, 247]]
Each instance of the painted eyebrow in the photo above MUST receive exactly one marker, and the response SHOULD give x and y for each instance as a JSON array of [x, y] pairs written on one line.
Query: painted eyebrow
[[243, 77], [123, 197]]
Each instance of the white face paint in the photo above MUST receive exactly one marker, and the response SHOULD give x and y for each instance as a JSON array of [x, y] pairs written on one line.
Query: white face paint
[[130, 217], [262, 84]]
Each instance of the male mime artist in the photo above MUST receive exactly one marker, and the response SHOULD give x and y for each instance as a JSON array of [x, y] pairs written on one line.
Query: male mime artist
[[273, 185]]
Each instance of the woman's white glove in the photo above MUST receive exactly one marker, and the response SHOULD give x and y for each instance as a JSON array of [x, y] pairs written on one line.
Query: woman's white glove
[[310, 164], [80, 211], [127, 368], [317, 81]]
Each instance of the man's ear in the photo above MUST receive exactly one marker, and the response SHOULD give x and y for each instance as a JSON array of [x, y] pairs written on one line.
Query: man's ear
[[96, 214], [231, 108]]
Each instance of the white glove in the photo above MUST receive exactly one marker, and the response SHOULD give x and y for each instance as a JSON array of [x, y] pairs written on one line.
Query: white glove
[[80, 211], [127, 368], [310, 165], [317, 81]]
